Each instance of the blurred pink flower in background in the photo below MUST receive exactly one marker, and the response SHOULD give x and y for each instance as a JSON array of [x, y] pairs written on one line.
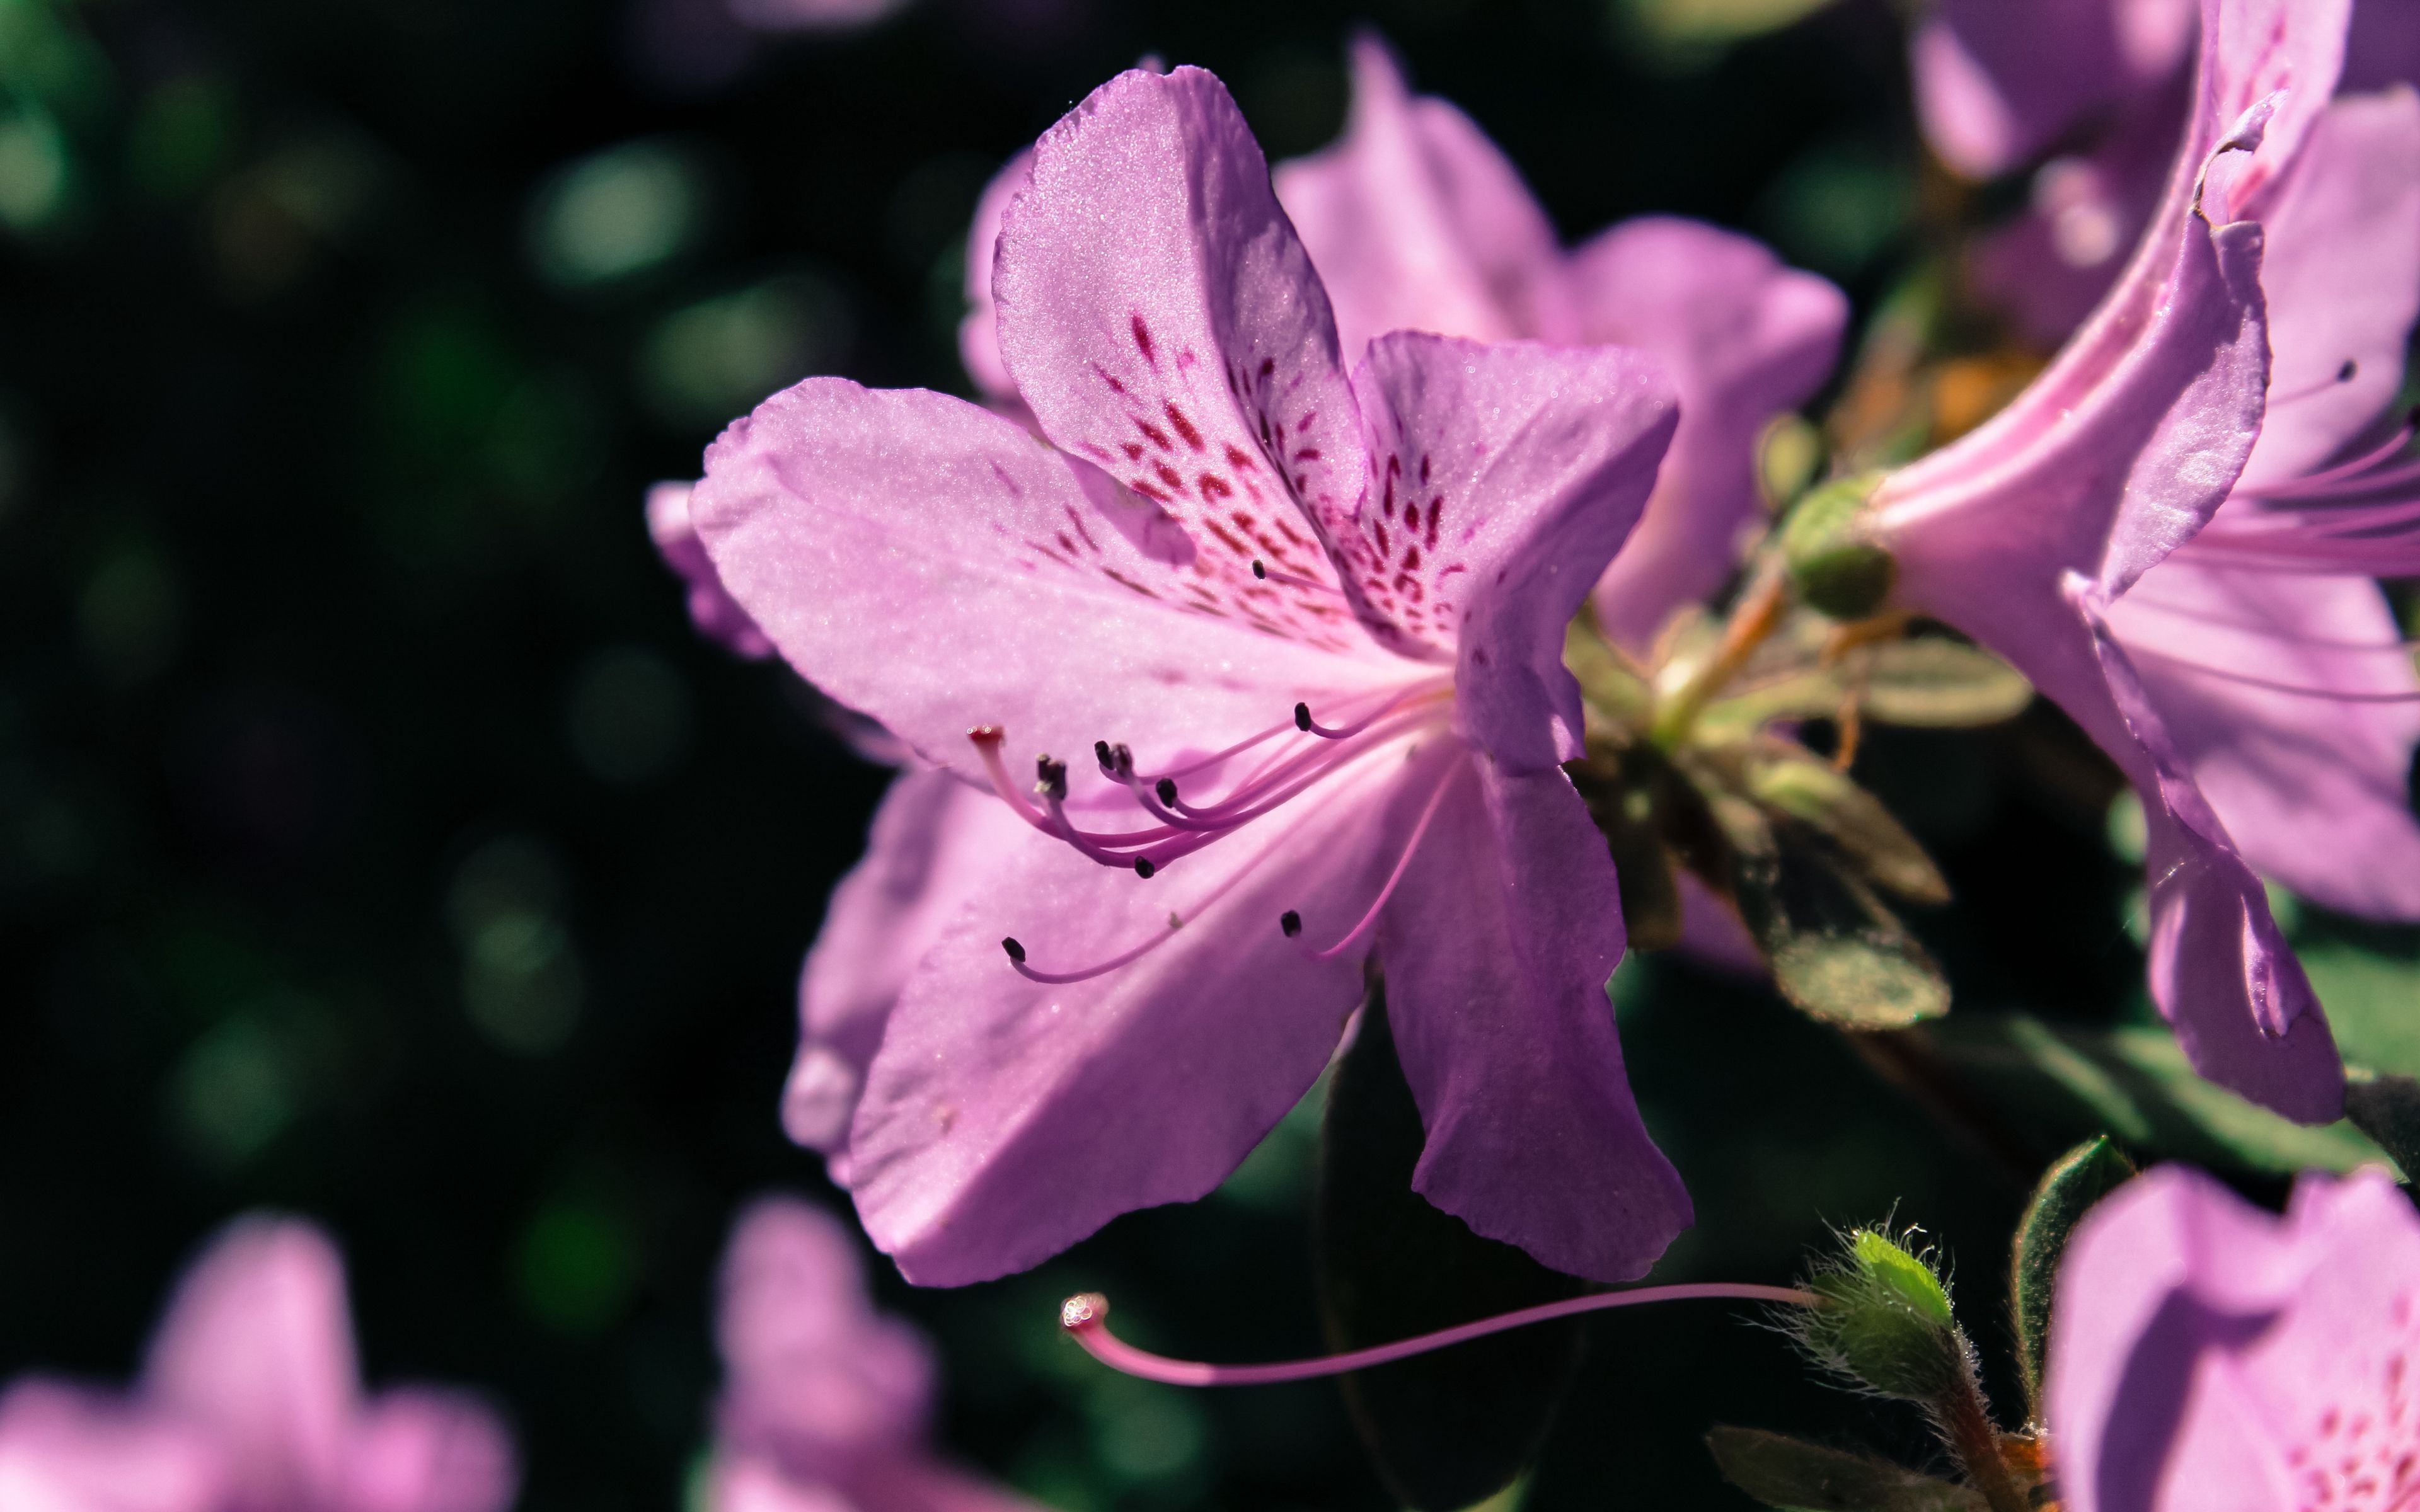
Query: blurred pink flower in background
[[251, 1401], [2207, 1356], [825, 1400]]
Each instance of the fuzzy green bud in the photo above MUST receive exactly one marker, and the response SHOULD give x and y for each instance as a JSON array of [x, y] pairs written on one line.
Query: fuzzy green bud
[[1884, 1321], [1835, 563]]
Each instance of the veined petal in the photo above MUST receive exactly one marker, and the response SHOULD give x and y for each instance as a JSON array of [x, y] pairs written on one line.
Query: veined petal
[[1498, 948], [2290, 51], [1416, 221], [935, 842], [66, 1450], [2220, 968], [428, 1451], [2314, 791], [1004, 1119], [257, 1349], [2342, 280], [2145, 458], [1163, 322], [1507, 478], [1743, 337], [932, 565], [715, 612]]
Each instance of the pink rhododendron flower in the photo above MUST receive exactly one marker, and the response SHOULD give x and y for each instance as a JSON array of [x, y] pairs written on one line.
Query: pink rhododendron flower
[[824, 1399], [711, 610], [2206, 1356], [1308, 629], [251, 1401], [2025, 531]]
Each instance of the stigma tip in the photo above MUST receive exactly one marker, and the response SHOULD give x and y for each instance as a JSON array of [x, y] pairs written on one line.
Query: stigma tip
[[1143, 867], [1291, 922], [1016, 952], [1085, 1307], [987, 734], [1302, 716]]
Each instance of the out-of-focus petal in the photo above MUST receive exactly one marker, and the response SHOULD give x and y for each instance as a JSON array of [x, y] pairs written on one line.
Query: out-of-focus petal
[[1004, 1119], [1509, 475], [814, 1379], [2383, 46], [935, 567], [2314, 790], [257, 1349], [2208, 1357], [979, 333], [66, 1450], [1496, 992], [1163, 322], [753, 1483], [1417, 221], [1997, 82], [935, 842], [428, 1451], [711, 610], [2220, 968], [1743, 337], [2341, 274]]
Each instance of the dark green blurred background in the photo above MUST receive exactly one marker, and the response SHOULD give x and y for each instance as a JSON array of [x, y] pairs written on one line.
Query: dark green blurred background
[[378, 842]]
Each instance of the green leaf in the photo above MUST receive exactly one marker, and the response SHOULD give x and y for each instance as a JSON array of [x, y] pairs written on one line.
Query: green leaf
[[2136, 1083], [2387, 1109], [1453, 1428], [1798, 1476], [1717, 20], [2066, 1191], [2369, 996], [1793, 781], [1940, 683]]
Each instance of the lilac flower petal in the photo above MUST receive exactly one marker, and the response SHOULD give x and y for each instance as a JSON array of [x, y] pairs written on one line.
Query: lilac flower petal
[[1997, 83], [753, 1483], [66, 1450], [2342, 278], [2314, 791], [2383, 46], [2289, 52], [1164, 323], [2112, 459], [428, 1451], [1004, 1120], [711, 610], [814, 1379], [2208, 1357], [1744, 338], [936, 567], [1417, 221], [935, 844], [257, 1349], [1508, 477], [979, 333], [1507, 1036], [2219, 966]]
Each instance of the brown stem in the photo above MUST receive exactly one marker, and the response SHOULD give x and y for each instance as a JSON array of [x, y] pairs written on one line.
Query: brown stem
[[1966, 1426], [1759, 615]]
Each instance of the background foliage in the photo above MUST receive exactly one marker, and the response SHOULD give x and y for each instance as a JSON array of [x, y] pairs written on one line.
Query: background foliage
[[377, 841]]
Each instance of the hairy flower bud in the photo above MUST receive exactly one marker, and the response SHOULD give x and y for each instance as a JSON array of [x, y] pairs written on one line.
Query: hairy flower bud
[[1834, 562], [1884, 1321]]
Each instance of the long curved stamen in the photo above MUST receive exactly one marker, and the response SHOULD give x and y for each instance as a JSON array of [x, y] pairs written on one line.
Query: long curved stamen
[[1303, 722], [1269, 573], [2328, 479], [2139, 599], [1086, 1318], [1053, 821], [1176, 921], [2273, 685], [1402, 864]]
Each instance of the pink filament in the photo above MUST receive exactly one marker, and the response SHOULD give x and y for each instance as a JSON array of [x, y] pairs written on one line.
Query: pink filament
[[1086, 1318], [1402, 864], [1176, 922], [2140, 599], [2297, 689]]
